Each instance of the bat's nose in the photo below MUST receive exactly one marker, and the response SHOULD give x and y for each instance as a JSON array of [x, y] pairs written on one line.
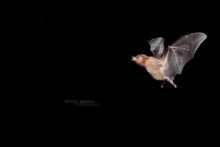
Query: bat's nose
[[133, 58]]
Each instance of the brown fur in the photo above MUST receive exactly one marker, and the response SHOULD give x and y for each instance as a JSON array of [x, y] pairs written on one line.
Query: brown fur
[[151, 64]]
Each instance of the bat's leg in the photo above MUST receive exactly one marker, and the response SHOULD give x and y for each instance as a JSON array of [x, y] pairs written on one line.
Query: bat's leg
[[171, 82], [162, 85]]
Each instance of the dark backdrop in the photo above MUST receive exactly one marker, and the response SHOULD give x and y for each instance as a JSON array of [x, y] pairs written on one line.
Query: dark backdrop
[[81, 53]]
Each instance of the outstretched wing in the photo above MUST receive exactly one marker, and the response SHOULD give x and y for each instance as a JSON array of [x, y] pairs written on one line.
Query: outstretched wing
[[180, 52], [157, 46]]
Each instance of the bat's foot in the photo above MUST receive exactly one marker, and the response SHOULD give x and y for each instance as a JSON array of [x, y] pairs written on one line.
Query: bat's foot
[[162, 85]]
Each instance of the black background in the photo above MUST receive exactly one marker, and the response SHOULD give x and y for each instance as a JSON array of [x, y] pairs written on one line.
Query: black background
[[68, 51]]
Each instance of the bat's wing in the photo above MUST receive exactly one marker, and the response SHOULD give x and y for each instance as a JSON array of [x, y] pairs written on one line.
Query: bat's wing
[[180, 52], [157, 46]]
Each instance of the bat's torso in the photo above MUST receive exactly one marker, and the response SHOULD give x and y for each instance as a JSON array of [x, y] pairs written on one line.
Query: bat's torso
[[155, 68]]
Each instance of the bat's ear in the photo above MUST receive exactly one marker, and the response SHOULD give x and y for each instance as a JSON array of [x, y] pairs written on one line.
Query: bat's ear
[[142, 55]]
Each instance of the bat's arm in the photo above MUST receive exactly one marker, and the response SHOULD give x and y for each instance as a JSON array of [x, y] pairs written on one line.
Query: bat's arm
[[175, 47]]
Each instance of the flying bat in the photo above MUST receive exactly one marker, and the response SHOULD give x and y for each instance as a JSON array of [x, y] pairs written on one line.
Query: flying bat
[[164, 65]]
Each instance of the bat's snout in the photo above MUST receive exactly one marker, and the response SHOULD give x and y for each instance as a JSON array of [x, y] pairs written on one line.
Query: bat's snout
[[133, 58]]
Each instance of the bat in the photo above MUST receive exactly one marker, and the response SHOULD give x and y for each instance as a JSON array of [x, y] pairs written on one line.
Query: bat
[[164, 65]]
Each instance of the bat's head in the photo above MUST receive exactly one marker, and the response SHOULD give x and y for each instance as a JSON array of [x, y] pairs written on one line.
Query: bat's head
[[140, 59]]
